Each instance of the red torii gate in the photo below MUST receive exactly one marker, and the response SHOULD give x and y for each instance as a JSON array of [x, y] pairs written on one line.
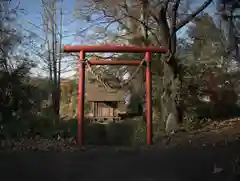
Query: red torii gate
[[114, 49]]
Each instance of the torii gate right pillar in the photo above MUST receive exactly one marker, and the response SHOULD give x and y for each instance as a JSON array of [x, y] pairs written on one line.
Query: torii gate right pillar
[[148, 101]]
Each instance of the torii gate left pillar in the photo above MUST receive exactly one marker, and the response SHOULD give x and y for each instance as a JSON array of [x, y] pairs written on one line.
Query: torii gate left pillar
[[114, 49]]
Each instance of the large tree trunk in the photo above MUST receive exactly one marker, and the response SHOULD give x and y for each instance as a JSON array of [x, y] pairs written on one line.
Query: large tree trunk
[[169, 111], [139, 37], [171, 114]]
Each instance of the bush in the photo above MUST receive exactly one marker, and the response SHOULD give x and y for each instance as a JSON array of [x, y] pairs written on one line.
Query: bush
[[129, 132], [120, 133], [95, 134]]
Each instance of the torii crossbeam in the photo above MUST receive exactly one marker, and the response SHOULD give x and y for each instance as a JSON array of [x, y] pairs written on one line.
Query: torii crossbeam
[[114, 49]]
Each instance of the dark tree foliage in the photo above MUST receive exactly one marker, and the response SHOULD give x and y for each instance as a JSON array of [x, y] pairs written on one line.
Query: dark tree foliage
[[16, 95], [209, 88]]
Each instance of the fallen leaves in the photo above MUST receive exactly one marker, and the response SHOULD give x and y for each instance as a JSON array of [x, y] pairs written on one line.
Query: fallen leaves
[[214, 134], [40, 144]]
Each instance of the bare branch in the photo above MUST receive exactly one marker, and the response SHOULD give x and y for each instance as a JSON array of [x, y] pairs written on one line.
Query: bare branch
[[144, 24], [193, 15]]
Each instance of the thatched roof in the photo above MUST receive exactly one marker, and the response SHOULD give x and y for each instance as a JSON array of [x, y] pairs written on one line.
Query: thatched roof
[[105, 76], [96, 92]]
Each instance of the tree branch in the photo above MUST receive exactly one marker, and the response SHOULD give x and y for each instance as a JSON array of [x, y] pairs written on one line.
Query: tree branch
[[144, 24], [173, 38], [193, 15], [165, 5]]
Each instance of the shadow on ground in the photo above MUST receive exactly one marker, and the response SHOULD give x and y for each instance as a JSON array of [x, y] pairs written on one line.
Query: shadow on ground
[[153, 164]]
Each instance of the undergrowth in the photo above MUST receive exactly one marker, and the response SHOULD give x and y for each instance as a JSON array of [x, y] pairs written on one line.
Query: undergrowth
[[129, 132]]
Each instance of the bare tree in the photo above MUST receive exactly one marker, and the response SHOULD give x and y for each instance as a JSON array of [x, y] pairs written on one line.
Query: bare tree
[[47, 49], [53, 31], [160, 20]]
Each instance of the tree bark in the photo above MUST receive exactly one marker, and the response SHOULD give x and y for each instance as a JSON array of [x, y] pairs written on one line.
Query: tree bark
[[55, 93], [170, 113]]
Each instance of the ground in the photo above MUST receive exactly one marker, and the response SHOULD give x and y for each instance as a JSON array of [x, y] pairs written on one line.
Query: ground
[[193, 160], [147, 165]]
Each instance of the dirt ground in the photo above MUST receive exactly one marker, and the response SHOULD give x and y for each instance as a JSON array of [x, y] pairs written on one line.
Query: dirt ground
[[192, 159]]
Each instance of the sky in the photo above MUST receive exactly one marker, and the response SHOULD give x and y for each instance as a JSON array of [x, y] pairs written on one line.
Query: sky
[[30, 19], [33, 10]]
